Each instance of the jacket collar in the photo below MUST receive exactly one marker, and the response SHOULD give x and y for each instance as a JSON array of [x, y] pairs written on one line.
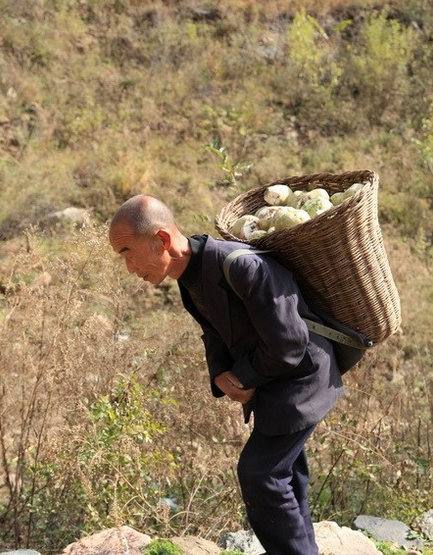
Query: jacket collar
[[213, 286]]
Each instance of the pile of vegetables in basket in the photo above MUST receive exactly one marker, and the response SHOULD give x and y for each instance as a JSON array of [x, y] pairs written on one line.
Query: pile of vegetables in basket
[[284, 208]]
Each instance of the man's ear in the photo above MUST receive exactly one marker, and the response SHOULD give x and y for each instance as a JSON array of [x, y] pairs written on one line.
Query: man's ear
[[164, 238]]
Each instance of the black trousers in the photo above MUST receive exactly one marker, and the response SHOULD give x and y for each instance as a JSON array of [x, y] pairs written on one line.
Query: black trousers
[[273, 475]]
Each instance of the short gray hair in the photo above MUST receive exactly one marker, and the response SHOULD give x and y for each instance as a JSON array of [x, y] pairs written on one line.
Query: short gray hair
[[144, 215]]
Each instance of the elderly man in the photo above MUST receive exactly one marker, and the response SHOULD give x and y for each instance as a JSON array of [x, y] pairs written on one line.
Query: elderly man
[[259, 353]]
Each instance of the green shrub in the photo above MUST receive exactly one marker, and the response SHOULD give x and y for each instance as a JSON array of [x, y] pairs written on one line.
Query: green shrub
[[162, 547], [313, 71], [309, 51], [405, 209], [377, 68], [427, 142]]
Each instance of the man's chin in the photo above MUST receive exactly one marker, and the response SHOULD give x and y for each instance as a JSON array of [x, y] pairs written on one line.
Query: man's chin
[[153, 280]]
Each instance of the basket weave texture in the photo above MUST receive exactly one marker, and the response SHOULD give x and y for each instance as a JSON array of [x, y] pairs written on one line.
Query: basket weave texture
[[338, 257]]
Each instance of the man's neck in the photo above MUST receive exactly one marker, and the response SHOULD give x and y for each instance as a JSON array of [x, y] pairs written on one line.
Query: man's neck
[[180, 254]]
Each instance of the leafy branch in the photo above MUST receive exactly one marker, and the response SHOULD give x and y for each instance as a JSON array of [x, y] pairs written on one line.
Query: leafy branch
[[234, 170]]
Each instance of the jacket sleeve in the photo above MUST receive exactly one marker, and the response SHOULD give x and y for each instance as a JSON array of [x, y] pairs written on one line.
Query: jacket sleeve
[[270, 296], [218, 358]]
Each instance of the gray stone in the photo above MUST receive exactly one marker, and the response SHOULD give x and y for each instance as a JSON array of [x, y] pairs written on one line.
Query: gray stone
[[21, 552], [72, 214], [245, 541], [424, 523], [383, 529]]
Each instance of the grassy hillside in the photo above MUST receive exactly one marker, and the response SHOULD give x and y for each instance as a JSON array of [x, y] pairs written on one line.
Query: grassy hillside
[[105, 413]]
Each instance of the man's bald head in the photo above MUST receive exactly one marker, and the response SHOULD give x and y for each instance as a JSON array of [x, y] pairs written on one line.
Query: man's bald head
[[144, 215]]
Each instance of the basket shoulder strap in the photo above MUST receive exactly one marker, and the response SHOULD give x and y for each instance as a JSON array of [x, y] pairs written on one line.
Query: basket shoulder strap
[[320, 329], [232, 256], [334, 335]]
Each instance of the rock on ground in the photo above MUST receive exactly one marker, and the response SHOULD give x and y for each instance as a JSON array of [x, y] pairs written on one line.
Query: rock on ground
[[245, 541], [191, 545], [387, 530], [72, 214], [114, 541], [335, 540], [425, 524], [20, 552], [330, 537]]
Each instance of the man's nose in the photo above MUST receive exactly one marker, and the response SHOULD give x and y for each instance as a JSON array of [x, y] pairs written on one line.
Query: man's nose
[[130, 266]]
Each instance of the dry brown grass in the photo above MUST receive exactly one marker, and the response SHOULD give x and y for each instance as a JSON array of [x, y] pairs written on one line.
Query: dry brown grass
[[275, 8], [377, 440], [105, 99], [73, 327]]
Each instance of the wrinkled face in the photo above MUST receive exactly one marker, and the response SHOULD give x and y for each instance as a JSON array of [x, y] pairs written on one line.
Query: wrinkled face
[[144, 257]]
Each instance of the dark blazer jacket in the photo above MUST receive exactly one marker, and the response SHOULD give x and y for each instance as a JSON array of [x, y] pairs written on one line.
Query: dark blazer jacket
[[257, 332]]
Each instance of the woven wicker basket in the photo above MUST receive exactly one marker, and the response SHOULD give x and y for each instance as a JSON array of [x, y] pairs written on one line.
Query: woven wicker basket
[[338, 257]]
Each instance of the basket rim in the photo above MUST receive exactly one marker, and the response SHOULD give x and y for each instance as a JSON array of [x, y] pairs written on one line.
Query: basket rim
[[373, 182], [318, 176]]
